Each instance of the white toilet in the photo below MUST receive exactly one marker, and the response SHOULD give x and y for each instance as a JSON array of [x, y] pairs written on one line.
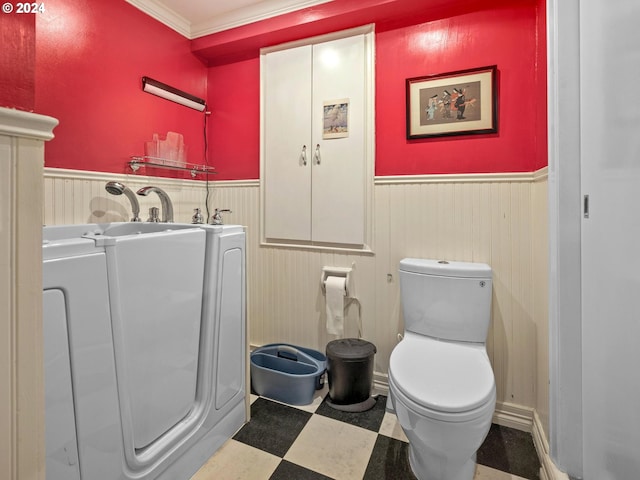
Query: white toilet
[[441, 383]]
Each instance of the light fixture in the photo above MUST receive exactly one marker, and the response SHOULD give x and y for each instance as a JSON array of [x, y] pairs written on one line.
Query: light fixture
[[163, 90]]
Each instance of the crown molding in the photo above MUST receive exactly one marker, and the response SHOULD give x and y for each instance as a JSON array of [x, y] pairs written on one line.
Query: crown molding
[[164, 15], [234, 18], [250, 14]]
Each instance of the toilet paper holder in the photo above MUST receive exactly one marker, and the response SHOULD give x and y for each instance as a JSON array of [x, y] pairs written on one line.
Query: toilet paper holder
[[344, 272]]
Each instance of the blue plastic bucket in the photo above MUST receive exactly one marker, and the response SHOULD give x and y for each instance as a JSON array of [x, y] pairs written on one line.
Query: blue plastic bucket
[[287, 373], [319, 357]]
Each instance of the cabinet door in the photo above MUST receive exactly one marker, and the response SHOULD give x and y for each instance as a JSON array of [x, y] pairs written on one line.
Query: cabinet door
[[338, 178], [287, 144]]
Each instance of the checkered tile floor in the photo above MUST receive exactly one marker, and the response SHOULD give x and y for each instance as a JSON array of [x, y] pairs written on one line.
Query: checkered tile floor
[[317, 442]]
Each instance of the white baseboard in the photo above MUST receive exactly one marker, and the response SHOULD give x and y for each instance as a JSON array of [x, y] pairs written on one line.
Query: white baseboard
[[548, 470], [513, 416], [380, 383]]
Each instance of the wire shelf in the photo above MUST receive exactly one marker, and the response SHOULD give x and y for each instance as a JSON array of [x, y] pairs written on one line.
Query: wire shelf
[[137, 162]]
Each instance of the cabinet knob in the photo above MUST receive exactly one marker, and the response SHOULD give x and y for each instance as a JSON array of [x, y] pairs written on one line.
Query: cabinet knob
[[303, 155], [316, 155]]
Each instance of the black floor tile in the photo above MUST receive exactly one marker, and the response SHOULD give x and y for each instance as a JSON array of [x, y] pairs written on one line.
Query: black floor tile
[[389, 461], [511, 451], [273, 427], [291, 471], [371, 419]]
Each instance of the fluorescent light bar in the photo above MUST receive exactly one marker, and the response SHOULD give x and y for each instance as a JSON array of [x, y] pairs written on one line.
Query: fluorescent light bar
[[168, 92]]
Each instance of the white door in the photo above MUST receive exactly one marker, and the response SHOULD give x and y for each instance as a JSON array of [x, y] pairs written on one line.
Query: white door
[[610, 166], [337, 192], [287, 143]]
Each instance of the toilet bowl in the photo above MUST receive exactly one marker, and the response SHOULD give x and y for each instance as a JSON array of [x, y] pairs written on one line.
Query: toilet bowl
[[444, 425], [441, 383]]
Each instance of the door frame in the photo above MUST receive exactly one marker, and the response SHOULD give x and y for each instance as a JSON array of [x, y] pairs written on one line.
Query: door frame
[[565, 207]]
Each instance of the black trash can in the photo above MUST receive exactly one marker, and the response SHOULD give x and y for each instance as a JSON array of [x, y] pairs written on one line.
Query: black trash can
[[350, 374]]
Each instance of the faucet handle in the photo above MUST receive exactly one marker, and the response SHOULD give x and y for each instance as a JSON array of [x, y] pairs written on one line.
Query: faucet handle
[[154, 215], [197, 216], [216, 218]]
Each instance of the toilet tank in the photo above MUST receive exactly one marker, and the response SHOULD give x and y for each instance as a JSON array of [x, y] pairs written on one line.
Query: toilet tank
[[446, 300]]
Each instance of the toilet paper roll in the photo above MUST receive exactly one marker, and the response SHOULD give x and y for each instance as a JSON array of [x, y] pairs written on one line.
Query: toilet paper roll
[[335, 292]]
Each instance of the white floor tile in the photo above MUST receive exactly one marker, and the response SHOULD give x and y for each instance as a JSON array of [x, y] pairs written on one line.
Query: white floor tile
[[391, 428], [333, 448], [317, 400], [237, 461]]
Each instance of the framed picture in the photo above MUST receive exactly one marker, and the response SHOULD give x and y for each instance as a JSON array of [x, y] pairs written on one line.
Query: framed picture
[[453, 103], [335, 119]]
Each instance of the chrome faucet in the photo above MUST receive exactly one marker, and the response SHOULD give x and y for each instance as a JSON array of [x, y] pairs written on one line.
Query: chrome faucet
[[117, 188], [216, 218], [165, 202]]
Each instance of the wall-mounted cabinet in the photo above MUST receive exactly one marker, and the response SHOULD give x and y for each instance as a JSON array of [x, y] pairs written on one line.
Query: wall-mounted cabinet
[[317, 137]]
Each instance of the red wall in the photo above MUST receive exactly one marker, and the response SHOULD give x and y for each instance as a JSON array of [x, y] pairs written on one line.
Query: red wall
[[234, 124], [506, 37], [510, 36], [17, 61], [90, 57]]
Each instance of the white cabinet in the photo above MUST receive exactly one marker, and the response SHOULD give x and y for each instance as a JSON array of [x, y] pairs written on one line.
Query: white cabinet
[[316, 177]]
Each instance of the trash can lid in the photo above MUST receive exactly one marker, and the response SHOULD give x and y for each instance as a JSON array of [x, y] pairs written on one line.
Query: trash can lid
[[350, 348]]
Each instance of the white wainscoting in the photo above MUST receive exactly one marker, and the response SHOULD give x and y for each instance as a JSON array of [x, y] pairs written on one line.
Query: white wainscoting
[[22, 435], [498, 219]]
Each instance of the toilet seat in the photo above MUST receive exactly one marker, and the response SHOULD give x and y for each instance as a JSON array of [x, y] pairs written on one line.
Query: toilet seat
[[442, 377], [403, 402]]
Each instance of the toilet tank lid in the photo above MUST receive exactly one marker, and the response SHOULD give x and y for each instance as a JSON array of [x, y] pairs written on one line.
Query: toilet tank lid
[[445, 268]]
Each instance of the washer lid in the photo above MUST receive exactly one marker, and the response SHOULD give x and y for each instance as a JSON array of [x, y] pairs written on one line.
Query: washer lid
[[443, 376], [445, 268]]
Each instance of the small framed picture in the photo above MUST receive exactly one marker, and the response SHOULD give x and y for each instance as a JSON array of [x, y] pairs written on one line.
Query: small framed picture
[[454, 103], [335, 119]]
